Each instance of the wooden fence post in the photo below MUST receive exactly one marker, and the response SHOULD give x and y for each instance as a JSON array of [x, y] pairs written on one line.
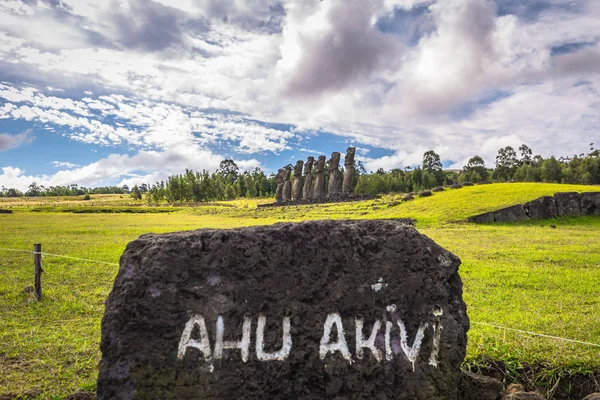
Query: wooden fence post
[[37, 262]]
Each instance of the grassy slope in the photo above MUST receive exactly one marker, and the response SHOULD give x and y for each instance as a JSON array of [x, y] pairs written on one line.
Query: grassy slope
[[523, 276]]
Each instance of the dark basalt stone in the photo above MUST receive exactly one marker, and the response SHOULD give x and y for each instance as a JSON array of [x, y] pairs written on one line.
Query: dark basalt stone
[[568, 204], [484, 218], [160, 331], [511, 214], [542, 208], [425, 193], [438, 189], [590, 203]]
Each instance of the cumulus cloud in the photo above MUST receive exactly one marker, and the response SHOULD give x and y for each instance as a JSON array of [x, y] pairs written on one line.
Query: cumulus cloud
[[8, 141], [170, 75], [142, 167], [330, 45]]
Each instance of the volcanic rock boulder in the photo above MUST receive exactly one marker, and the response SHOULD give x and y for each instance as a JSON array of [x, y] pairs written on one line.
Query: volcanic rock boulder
[[484, 218], [320, 309], [511, 214], [568, 204], [542, 208], [590, 203]]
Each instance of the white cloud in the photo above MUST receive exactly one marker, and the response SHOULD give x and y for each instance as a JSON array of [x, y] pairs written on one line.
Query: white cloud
[[138, 168], [477, 80], [64, 164]]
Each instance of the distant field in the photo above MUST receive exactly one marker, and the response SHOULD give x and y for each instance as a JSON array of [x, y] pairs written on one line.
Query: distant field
[[526, 276]]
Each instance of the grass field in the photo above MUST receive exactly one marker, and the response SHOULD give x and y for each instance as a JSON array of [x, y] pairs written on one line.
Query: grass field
[[526, 276]]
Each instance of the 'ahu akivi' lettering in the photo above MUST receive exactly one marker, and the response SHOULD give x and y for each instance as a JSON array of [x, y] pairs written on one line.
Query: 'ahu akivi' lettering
[[367, 339]]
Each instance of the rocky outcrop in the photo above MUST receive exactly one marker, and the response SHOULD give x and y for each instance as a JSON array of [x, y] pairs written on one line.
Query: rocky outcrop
[[542, 208], [511, 214], [484, 218], [590, 203], [564, 204], [568, 204]]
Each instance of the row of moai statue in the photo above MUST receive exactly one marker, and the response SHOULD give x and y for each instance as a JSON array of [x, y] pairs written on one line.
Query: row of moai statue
[[304, 188]]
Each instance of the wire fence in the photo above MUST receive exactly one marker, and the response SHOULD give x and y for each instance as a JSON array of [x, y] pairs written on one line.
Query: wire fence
[[495, 326]]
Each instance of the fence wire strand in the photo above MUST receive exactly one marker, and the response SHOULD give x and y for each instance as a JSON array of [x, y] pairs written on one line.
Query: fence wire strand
[[59, 255], [473, 322]]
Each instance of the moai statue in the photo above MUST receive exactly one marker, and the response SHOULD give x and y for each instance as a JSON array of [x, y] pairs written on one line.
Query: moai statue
[[319, 170], [348, 186], [335, 175], [287, 186], [297, 187], [279, 190], [307, 191]]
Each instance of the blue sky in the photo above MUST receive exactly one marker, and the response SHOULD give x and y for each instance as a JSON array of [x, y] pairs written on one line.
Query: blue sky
[[132, 91]]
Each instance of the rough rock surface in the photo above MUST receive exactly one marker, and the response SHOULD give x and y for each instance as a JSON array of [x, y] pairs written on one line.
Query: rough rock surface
[[478, 387], [590, 203], [309, 272], [468, 184], [456, 186], [484, 218], [408, 197], [5, 211], [568, 204], [542, 208], [511, 214], [425, 193], [438, 189]]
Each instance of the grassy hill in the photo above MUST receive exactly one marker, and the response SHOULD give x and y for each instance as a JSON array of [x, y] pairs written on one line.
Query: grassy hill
[[525, 276]]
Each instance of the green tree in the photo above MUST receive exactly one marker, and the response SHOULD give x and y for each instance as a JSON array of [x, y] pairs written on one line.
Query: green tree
[[135, 193], [551, 170], [506, 164], [475, 164], [433, 165]]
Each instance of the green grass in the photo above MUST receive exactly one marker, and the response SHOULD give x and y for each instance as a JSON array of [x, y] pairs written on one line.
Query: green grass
[[524, 276]]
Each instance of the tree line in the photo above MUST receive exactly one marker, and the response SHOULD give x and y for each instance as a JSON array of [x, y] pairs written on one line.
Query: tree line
[[509, 166], [228, 183]]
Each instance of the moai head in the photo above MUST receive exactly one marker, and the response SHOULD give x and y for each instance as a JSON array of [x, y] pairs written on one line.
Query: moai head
[[279, 176], [334, 162], [320, 164], [298, 168], [286, 175], [349, 160], [309, 164]]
